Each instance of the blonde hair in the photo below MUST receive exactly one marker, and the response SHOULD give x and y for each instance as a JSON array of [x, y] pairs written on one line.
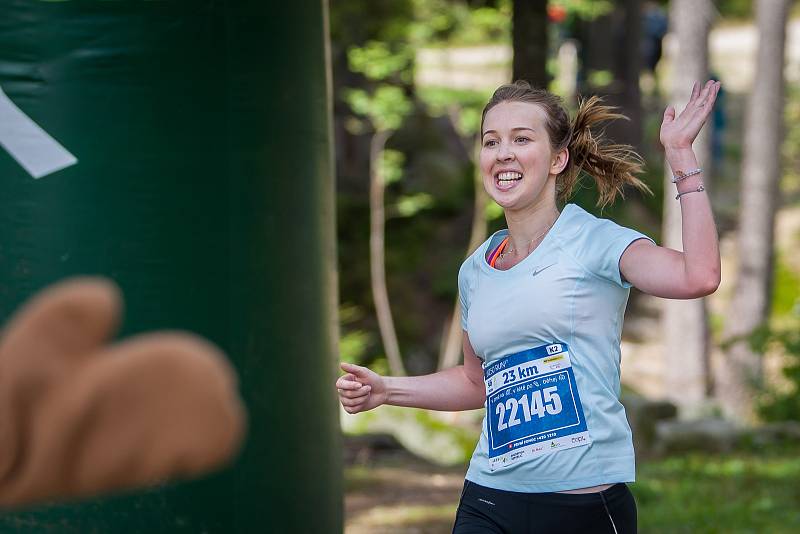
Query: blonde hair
[[612, 166]]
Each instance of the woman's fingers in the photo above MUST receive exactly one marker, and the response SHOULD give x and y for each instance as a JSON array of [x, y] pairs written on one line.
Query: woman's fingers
[[704, 109], [691, 105], [698, 99], [363, 391], [700, 106], [347, 382], [695, 91], [703, 99], [356, 370], [355, 387], [350, 403], [669, 114]]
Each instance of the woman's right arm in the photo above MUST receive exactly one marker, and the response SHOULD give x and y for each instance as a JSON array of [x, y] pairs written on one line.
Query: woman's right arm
[[454, 389]]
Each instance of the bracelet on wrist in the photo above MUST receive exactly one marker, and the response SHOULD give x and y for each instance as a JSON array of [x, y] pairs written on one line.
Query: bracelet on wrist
[[700, 188], [680, 175]]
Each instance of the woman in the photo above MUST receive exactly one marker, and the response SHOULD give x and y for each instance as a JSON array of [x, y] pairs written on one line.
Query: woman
[[542, 310]]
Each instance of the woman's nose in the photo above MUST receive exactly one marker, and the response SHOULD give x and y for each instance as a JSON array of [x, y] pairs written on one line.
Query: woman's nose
[[505, 153]]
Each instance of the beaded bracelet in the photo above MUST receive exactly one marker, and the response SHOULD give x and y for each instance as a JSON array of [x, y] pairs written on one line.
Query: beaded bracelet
[[700, 187], [679, 175]]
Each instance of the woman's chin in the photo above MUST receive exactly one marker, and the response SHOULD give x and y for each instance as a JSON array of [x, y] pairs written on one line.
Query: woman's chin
[[507, 202]]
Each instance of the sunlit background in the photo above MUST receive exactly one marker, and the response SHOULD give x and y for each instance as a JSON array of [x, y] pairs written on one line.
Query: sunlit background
[[710, 386]]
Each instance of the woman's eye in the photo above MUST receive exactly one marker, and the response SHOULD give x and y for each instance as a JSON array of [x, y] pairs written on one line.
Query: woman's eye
[[521, 139], [490, 143]]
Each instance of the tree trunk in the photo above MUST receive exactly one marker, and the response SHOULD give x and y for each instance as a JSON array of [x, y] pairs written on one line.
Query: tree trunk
[[450, 354], [685, 322], [380, 295], [740, 373], [612, 44], [529, 40], [627, 73]]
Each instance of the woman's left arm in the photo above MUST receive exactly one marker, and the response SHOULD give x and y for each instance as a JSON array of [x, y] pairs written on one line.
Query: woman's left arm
[[695, 272]]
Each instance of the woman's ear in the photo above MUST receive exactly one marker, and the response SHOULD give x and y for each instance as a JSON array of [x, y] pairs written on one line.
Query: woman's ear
[[560, 161]]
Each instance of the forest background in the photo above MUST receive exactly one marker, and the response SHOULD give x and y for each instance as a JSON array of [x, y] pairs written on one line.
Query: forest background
[[711, 386]]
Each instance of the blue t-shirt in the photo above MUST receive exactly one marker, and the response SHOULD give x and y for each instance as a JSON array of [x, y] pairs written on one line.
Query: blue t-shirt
[[568, 290]]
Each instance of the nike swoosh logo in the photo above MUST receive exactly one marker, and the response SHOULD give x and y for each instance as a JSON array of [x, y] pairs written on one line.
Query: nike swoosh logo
[[540, 269]]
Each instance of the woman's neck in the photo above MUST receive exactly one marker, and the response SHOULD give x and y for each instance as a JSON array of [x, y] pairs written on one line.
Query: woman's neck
[[528, 226]]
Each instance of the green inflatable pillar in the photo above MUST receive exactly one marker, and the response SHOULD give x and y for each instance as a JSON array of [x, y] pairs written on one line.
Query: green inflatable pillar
[[183, 149]]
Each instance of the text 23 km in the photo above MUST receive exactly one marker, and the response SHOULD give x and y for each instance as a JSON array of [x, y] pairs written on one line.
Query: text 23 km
[[524, 372]]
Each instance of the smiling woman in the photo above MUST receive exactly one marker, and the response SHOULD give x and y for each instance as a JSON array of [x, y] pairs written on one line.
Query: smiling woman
[[542, 305], [526, 132]]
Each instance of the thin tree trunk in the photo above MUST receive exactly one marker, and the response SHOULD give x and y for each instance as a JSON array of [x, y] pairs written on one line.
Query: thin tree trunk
[[612, 43], [529, 40], [380, 295], [625, 92], [685, 322], [740, 373], [450, 354]]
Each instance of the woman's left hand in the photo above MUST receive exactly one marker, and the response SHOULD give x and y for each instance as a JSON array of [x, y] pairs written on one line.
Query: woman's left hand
[[680, 132]]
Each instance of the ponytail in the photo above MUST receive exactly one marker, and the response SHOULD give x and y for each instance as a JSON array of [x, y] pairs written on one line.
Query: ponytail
[[612, 166]]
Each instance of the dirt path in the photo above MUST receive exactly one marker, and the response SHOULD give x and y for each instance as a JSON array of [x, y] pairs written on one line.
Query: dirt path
[[398, 493]]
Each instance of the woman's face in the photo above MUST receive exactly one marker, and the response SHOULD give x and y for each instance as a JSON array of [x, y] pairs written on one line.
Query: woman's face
[[517, 162]]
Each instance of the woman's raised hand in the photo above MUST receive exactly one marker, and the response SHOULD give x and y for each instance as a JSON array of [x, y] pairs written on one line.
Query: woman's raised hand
[[360, 389], [680, 132]]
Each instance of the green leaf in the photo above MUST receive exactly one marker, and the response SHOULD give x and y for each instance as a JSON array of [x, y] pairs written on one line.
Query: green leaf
[[359, 101], [392, 162], [410, 205], [377, 61], [600, 78], [389, 107], [386, 108], [586, 9]]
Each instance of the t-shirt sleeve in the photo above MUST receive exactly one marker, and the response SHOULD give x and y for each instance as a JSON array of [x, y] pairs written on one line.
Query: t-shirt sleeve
[[600, 247]]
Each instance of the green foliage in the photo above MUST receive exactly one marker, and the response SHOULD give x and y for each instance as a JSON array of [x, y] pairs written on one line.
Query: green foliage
[[455, 23], [786, 291], [782, 334], [353, 343], [783, 404], [359, 101], [390, 107], [585, 9], [353, 346], [600, 78], [463, 106], [391, 163], [386, 107], [410, 205], [359, 21], [712, 493], [377, 61], [735, 9]]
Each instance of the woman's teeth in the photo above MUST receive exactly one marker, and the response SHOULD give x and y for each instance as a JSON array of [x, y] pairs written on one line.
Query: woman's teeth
[[508, 177]]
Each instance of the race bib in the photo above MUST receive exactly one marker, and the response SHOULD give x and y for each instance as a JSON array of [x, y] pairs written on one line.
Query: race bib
[[532, 405]]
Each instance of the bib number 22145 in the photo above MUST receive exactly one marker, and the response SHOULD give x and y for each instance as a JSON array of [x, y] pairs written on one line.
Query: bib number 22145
[[541, 403]]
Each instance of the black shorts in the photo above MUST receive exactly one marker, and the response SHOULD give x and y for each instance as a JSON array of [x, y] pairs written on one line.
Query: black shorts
[[483, 510]]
